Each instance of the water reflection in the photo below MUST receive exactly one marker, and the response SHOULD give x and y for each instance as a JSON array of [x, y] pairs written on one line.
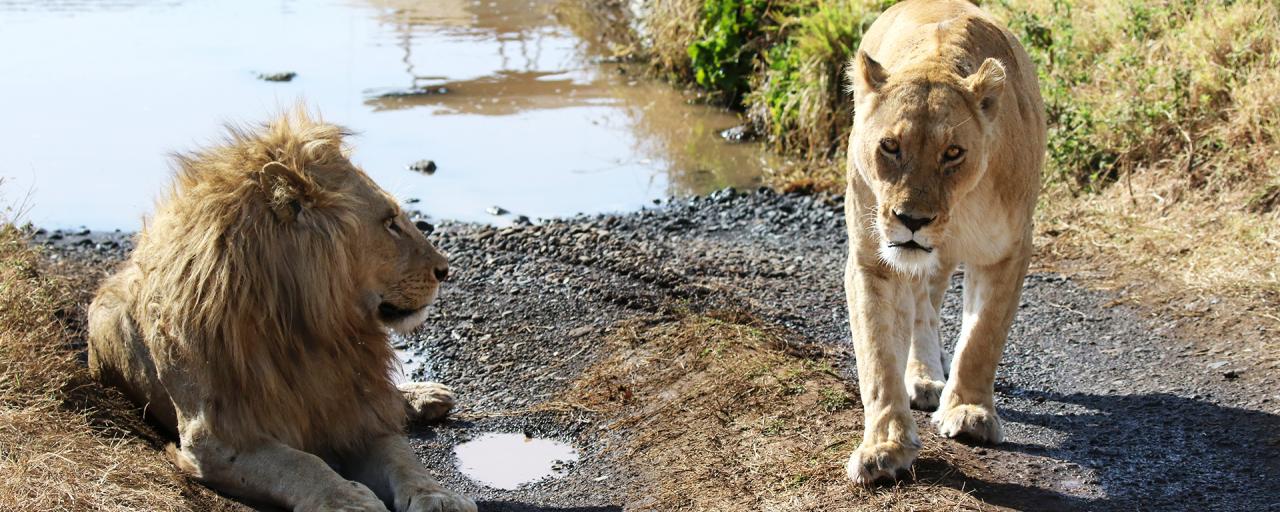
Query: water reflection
[[507, 100], [507, 461]]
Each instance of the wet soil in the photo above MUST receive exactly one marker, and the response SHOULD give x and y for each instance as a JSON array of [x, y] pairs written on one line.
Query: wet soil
[[1105, 407]]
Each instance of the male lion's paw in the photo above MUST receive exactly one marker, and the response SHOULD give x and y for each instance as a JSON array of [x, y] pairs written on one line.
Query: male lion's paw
[[350, 497], [439, 500], [972, 421], [924, 393], [428, 401], [881, 461]]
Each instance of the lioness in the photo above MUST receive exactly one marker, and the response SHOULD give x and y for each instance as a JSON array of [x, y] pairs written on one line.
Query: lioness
[[944, 168], [252, 318]]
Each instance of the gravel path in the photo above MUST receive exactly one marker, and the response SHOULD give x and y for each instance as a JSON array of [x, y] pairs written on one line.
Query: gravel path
[[1105, 409]]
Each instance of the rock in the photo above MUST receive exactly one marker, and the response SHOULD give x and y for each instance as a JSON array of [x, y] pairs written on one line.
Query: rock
[[283, 76], [522, 220], [723, 194], [496, 210], [412, 200], [745, 132], [427, 167]]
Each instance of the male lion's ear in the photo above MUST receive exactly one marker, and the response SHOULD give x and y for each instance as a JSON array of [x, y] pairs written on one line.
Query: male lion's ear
[[866, 75], [284, 189], [986, 84]]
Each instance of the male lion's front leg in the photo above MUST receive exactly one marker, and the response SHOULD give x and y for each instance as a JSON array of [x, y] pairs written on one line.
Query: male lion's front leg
[[991, 295], [427, 401], [393, 471], [880, 315], [271, 472]]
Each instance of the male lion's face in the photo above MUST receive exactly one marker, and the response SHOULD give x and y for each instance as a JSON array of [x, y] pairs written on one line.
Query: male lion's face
[[406, 268], [920, 142]]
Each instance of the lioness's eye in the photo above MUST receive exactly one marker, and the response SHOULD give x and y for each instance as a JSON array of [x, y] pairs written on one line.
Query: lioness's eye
[[953, 153], [889, 146]]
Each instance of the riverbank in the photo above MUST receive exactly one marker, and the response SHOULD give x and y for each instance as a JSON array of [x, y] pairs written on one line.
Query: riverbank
[[696, 355]]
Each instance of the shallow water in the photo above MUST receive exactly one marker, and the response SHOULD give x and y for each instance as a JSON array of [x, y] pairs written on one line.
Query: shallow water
[[505, 100], [507, 461], [412, 367]]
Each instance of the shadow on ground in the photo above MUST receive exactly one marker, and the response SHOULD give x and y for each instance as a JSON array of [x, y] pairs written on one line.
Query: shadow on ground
[[1188, 455], [508, 506]]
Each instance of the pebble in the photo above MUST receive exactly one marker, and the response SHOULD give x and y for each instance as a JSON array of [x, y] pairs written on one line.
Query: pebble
[[283, 76], [427, 167]]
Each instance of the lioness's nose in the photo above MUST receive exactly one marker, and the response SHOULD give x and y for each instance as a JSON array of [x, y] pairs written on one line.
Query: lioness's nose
[[441, 272], [913, 223]]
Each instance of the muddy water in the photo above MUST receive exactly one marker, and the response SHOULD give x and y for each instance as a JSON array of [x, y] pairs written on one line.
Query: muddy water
[[513, 108], [507, 461]]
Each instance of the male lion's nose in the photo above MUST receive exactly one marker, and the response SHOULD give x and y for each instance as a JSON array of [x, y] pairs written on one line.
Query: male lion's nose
[[913, 223], [441, 272]]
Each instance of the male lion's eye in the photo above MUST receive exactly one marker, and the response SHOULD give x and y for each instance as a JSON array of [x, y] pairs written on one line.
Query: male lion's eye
[[889, 146], [393, 226], [953, 153]]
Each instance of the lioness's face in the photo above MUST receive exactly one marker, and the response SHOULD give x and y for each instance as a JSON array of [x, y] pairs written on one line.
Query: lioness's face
[[920, 143], [406, 268]]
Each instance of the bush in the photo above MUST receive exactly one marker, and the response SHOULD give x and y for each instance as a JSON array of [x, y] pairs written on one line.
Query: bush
[[722, 58], [800, 97]]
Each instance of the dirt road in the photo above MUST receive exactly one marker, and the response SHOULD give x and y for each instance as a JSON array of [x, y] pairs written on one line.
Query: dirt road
[[1105, 409]]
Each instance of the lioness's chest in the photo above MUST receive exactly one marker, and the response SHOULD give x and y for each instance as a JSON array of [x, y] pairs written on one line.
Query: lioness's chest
[[982, 233]]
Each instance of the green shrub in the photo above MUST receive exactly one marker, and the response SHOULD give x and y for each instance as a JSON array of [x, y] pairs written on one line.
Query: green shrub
[[722, 57], [800, 98]]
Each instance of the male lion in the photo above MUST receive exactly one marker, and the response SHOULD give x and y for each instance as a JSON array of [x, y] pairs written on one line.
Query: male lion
[[251, 320], [944, 168]]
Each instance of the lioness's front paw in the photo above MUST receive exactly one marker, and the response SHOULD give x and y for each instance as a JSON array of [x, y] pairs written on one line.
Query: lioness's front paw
[[439, 500], [880, 461], [924, 393], [428, 401], [349, 497], [977, 422]]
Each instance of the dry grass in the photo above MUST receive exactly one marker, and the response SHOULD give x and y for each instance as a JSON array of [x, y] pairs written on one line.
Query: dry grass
[[65, 442], [728, 417], [667, 29], [1164, 135]]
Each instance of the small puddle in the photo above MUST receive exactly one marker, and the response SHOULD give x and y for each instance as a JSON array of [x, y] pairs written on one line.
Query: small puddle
[[507, 461]]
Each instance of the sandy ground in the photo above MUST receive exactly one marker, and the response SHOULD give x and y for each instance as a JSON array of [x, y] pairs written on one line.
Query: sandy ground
[[1105, 407]]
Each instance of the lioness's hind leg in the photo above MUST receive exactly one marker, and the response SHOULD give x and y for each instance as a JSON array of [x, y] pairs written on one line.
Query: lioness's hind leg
[[119, 357], [427, 401], [926, 366]]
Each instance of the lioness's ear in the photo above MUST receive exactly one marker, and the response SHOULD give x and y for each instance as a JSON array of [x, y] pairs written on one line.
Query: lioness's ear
[[986, 84], [866, 75], [284, 189]]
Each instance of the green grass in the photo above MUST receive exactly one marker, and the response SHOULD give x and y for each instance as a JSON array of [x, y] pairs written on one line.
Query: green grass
[[1130, 86]]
